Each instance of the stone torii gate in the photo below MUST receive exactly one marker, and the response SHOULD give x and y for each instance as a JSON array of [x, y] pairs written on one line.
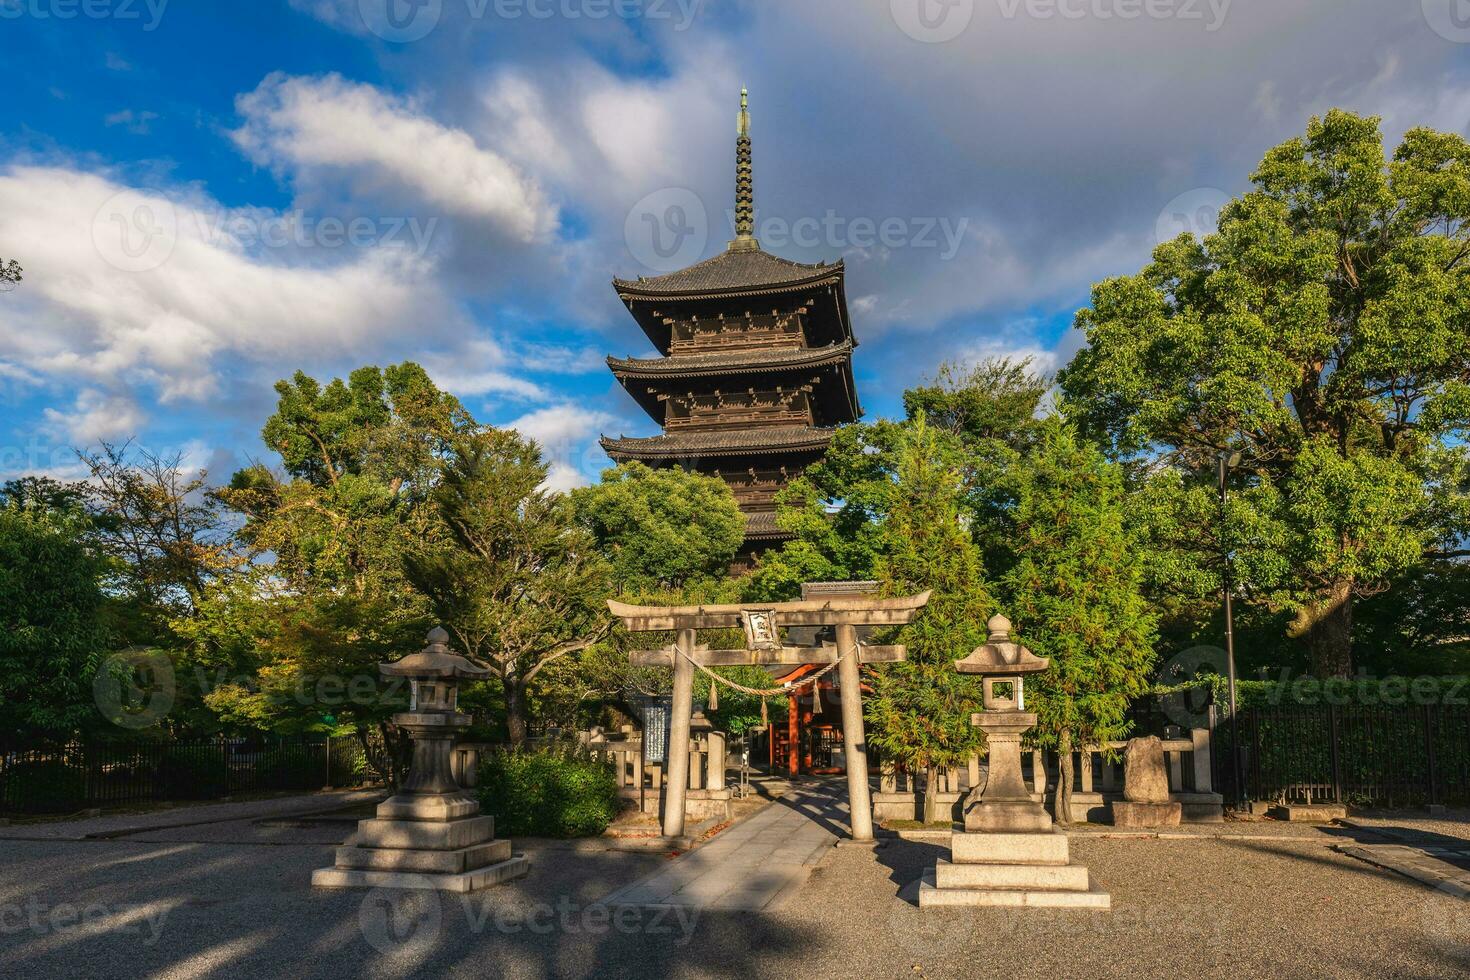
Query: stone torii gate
[[844, 608]]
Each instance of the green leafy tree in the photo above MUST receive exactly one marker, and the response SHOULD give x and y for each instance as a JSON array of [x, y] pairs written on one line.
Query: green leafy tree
[[327, 599], [53, 635], [1322, 333], [509, 571], [919, 714], [1075, 594], [662, 530], [169, 537], [981, 417]]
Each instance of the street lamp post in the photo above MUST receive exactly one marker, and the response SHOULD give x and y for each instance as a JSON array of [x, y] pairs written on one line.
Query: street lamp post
[[1227, 462]]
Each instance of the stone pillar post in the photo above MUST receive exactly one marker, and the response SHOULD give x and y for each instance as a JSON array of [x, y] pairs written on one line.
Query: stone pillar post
[[1201, 739], [974, 770], [696, 766], [677, 783], [854, 742], [716, 779]]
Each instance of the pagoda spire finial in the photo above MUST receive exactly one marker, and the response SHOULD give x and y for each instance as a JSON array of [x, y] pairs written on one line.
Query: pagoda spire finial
[[744, 182]]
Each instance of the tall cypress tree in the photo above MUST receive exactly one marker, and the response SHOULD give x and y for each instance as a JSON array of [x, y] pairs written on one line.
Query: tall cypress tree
[[919, 714], [1075, 596]]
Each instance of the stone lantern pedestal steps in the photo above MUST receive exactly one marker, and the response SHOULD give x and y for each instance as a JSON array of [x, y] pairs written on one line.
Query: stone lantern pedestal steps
[[1010, 869], [442, 845]]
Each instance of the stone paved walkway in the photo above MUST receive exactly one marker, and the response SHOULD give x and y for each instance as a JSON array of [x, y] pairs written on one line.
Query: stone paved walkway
[[1444, 868], [755, 865]]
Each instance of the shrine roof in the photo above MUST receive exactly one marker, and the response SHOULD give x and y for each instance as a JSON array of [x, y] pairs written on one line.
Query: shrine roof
[[736, 271], [721, 442]]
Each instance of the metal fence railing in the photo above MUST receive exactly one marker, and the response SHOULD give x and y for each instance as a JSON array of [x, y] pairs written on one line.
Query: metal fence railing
[[1367, 756], [71, 776]]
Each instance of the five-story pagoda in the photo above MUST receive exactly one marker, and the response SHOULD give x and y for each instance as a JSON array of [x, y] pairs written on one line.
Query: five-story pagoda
[[756, 364]]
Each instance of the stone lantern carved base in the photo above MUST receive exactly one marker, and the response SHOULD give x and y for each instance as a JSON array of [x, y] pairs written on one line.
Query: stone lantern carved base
[[433, 841]]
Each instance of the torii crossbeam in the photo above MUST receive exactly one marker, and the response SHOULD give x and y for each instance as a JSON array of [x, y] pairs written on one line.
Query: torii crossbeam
[[845, 607]]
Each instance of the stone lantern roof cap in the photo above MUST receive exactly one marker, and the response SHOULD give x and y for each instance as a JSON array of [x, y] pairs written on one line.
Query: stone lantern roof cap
[[1001, 656], [434, 661]]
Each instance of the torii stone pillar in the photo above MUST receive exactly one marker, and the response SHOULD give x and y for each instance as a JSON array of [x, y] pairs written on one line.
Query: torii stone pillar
[[845, 608], [854, 740]]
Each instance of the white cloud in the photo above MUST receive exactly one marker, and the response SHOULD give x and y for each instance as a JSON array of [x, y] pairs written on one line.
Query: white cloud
[[127, 287], [326, 128], [567, 434], [138, 123], [96, 416]]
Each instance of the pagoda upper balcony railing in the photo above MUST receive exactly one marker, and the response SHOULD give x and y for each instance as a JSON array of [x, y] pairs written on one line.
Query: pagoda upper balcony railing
[[730, 333], [738, 418]]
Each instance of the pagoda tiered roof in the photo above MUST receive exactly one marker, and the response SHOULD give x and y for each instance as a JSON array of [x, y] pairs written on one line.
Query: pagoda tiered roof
[[648, 380], [734, 272], [721, 442], [740, 278]]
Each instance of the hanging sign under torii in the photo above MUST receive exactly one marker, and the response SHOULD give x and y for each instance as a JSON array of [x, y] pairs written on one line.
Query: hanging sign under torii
[[843, 607]]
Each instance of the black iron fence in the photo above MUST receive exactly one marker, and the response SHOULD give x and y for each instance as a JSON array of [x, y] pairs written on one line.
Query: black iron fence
[[1365, 756], [64, 778]]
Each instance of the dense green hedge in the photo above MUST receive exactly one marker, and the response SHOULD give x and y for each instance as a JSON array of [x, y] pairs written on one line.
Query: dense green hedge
[[1304, 691], [554, 792]]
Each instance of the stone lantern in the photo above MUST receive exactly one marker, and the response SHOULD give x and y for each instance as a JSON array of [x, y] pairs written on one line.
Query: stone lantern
[[430, 835], [1006, 803], [432, 721], [1009, 854]]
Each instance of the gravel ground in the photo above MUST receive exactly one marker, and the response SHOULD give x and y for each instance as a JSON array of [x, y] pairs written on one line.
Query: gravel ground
[[232, 899]]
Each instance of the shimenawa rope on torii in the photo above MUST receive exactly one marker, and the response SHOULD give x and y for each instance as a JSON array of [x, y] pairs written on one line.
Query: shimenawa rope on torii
[[790, 687]]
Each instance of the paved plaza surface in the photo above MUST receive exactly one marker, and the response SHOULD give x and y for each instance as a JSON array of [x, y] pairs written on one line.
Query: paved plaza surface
[[232, 899]]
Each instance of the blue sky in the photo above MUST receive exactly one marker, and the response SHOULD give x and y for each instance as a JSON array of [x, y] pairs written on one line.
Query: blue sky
[[208, 197]]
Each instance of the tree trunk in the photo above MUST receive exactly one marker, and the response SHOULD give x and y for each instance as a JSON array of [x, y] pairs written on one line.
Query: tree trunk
[[1327, 628], [1062, 802], [515, 712], [931, 795]]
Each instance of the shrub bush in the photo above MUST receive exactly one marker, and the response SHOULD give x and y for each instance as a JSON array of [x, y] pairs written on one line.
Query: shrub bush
[[554, 792], [43, 786]]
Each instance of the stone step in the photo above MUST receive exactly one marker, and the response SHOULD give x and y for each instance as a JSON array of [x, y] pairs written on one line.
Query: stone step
[[1027, 877], [424, 835], [1050, 848], [467, 881], [931, 896], [424, 862]]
